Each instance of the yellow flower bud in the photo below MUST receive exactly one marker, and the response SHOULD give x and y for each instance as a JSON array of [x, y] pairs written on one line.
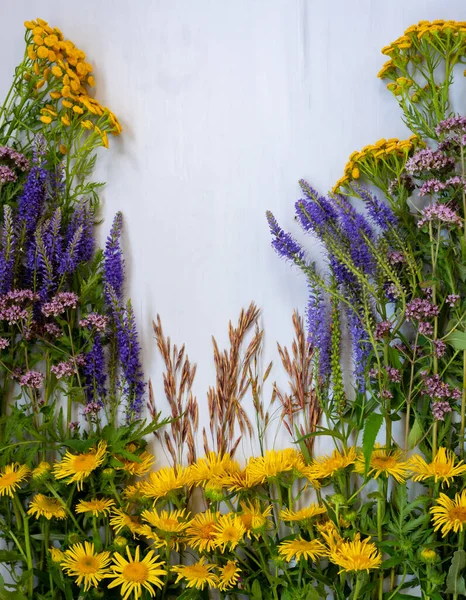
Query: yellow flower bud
[[78, 110], [63, 149], [67, 104], [37, 30], [42, 52], [57, 71], [46, 119], [42, 23], [51, 40], [29, 24], [31, 53], [27, 76], [65, 91], [40, 84], [355, 173], [36, 68], [55, 95], [65, 120], [87, 124], [52, 56], [91, 81], [37, 39], [46, 73]]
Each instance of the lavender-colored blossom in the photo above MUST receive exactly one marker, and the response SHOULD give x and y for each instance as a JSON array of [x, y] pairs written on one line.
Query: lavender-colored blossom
[[18, 160], [70, 258], [92, 408], [379, 212], [95, 372], [7, 175], [53, 329], [385, 395], [319, 331], [405, 182], [435, 185], [439, 409], [283, 243], [434, 387], [32, 379], [64, 369], [94, 320], [382, 329], [4, 343], [429, 160], [395, 257], [440, 212], [82, 244], [60, 303], [426, 328], [392, 291], [439, 348], [455, 123], [419, 308], [113, 260], [452, 300], [393, 374]]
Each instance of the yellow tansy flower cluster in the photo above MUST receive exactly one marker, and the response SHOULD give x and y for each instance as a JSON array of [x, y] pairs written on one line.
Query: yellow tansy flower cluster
[[59, 72], [380, 163]]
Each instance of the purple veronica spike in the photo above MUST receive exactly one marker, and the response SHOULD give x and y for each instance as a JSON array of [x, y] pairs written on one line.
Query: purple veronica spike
[[129, 355], [85, 247], [113, 260], [283, 243], [379, 212], [357, 231], [7, 254], [95, 372], [319, 333], [361, 349], [70, 259], [32, 200]]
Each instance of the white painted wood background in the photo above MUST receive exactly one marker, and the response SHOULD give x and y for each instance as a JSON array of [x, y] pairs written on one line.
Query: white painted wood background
[[225, 104]]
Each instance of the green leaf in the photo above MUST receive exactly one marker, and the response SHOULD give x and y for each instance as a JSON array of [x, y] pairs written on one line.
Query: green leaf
[[256, 592], [371, 429], [457, 339], [416, 433], [455, 581]]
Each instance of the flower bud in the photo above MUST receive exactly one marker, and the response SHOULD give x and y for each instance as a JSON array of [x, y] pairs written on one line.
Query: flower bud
[[108, 473], [337, 499], [120, 542]]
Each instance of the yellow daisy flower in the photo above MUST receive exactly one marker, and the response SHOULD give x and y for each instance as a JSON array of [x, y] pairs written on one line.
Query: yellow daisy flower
[[97, 506], [300, 548], [43, 506], [329, 532], [136, 575], [82, 562], [254, 517], [385, 463], [165, 481], [200, 534], [229, 531], [303, 515], [228, 575], [356, 555], [327, 466], [274, 463], [197, 575], [119, 520], [442, 468], [77, 467], [171, 522], [212, 467], [11, 476], [449, 515], [137, 468]]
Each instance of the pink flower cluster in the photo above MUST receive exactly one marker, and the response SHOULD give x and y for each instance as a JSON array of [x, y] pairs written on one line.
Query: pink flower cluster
[[439, 409], [440, 212], [435, 185], [453, 299], [60, 303], [434, 387], [419, 308], [382, 329], [4, 343], [429, 160], [64, 369], [13, 305], [32, 379], [95, 320], [395, 258], [92, 408]]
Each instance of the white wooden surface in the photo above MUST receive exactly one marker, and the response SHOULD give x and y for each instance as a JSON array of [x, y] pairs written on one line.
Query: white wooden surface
[[225, 105]]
